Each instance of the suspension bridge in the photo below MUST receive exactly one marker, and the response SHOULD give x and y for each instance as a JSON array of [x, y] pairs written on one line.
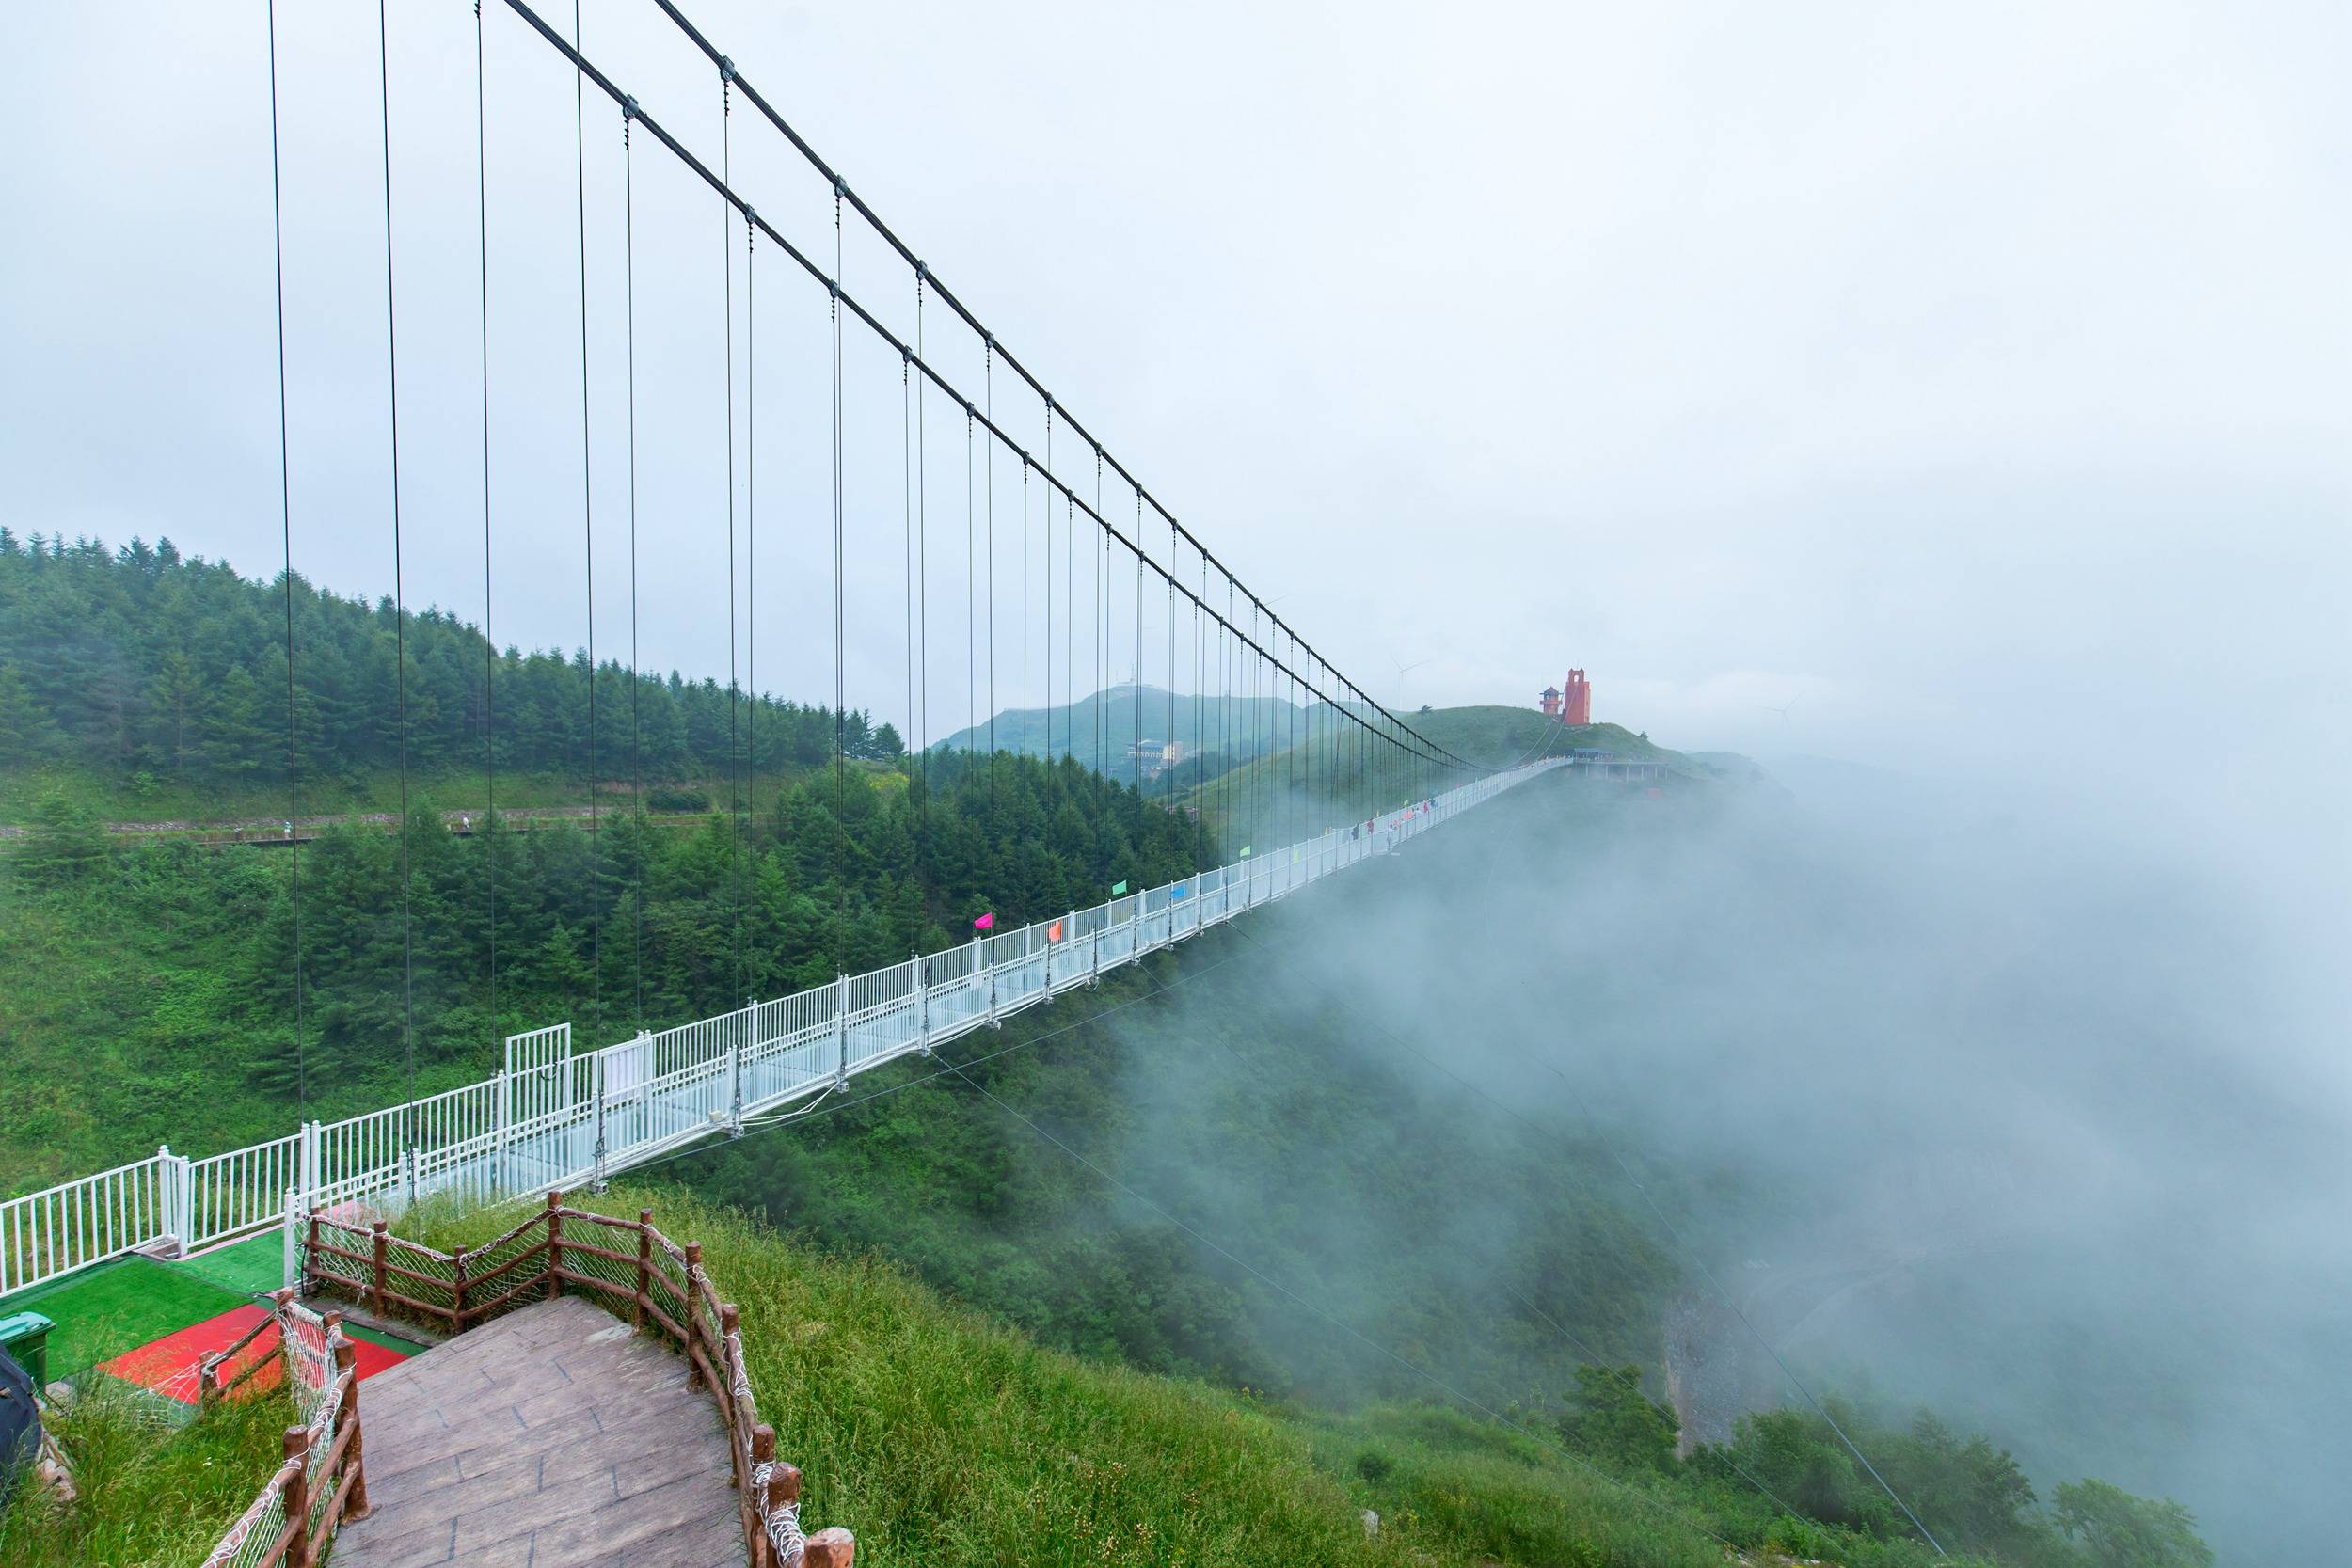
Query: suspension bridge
[[1314, 777], [1254, 688]]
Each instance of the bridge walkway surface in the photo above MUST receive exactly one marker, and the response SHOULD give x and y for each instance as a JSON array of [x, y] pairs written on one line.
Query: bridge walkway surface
[[554, 1437]]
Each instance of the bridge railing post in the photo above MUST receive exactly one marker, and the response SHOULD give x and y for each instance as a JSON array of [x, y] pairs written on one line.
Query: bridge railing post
[[736, 1040], [922, 1003], [171, 1194], [504, 1112], [841, 1027], [595, 1075], [291, 1227]]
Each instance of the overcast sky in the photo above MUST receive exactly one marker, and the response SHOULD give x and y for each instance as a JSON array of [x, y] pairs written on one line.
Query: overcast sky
[[1956, 378]]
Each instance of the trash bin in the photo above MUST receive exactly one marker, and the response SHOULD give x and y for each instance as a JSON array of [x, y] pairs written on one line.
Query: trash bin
[[25, 1336]]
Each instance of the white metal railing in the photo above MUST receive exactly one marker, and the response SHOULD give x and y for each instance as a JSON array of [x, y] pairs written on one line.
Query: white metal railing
[[78, 1222], [553, 1117]]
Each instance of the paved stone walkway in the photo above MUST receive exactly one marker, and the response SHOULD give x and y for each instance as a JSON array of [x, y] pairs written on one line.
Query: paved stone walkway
[[554, 1437]]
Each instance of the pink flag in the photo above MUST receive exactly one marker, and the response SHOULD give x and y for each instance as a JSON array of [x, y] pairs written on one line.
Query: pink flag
[[986, 922]]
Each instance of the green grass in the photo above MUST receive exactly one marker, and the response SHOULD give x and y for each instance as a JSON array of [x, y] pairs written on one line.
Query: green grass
[[1498, 1495], [1254, 804], [941, 1436], [149, 1494], [252, 1267], [119, 1307]]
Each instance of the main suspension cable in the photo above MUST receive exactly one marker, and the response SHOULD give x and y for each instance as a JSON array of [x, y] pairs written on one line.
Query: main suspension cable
[[846, 301], [874, 221]]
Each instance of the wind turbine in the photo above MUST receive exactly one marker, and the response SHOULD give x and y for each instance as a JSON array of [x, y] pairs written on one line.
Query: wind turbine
[[1782, 709], [1403, 671]]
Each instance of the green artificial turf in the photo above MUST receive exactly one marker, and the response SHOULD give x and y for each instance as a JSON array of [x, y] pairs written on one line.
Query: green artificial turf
[[119, 1307], [254, 1267]]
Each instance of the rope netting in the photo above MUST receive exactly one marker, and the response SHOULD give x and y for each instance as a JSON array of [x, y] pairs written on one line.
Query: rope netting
[[323, 1253], [505, 1269], [582, 1232], [308, 1343], [251, 1540], [418, 1282], [310, 1361]]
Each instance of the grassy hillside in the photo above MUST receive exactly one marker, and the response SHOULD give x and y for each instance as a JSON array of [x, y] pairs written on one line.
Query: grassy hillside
[[152, 986], [944, 1437], [1492, 735], [1269, 801], [1099, 728]]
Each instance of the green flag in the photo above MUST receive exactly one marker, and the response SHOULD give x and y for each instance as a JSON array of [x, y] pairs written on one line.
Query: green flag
[[1117, 888], [1245, 851]]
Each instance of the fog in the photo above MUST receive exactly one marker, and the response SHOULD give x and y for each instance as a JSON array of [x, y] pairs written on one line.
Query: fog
[[1965, 1095]]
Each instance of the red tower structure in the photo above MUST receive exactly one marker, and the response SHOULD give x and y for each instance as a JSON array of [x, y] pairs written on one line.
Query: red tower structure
[[1578, 707]]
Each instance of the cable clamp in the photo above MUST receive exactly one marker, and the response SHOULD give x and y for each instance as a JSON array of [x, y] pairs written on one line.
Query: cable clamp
[[921, 271], [629, 110], [726, 69], [751, 219], [840, 186], [833, 286], [906, 352]]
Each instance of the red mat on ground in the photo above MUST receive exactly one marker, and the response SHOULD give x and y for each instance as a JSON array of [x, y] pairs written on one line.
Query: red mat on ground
[[168, 1365]]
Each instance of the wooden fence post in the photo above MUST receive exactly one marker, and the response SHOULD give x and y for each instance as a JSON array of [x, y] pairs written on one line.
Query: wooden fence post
[[730, 1321], [457, 1292], [296, 1448], [347, 1366], [693, 1318], [831, 1548], [555, 1246], [644, 1265], [777, 1493], [376, 1290], [784, 1489]]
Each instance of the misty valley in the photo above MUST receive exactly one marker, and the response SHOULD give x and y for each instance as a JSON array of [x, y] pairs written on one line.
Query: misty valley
[[1627, 1162]]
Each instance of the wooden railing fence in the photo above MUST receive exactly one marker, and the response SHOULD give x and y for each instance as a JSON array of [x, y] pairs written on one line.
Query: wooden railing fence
[[627, 1267], [322, 1481]]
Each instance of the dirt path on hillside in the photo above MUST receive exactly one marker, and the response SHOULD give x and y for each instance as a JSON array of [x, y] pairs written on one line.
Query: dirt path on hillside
[[264, 830]]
